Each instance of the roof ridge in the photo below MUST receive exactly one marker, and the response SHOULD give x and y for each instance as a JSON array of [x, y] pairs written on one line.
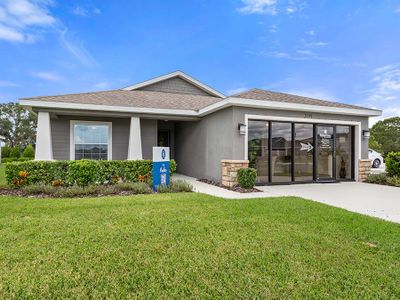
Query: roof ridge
[[71, 94]]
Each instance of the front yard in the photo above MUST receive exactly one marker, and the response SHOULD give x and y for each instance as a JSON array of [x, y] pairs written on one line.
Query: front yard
[[193, 245]]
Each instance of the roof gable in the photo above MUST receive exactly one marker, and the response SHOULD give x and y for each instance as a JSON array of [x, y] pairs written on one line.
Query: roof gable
[[176, 82]]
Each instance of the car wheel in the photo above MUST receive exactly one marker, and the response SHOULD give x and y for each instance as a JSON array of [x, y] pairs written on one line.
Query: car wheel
[[376, 164]]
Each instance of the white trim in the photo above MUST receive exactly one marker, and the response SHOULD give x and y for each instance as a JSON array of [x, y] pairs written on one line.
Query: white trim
[[207, 110], [266, 104], [72, 136], [181, 75], [111, 108], [357, 132]]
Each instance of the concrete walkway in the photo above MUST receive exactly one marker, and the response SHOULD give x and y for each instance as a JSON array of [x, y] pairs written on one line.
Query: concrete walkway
[[368, 199]]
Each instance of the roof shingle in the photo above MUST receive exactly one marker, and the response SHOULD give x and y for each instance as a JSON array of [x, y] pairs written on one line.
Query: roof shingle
[[258, 94]]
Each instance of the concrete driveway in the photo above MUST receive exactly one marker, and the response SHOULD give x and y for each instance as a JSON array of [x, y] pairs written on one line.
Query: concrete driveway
[[368, 199]]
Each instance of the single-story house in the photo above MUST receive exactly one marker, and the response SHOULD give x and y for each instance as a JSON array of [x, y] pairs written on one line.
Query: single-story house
[[286, 138]]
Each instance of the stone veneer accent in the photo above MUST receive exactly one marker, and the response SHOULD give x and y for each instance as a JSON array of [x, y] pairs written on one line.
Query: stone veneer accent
[[364, 169], [229, 170]]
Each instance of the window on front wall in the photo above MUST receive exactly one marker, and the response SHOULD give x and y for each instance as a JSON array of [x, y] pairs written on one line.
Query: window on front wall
[[91, 141]]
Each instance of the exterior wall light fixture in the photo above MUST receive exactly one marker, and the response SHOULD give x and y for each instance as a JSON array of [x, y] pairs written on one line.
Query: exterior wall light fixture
[[366, 134], [242, 128]]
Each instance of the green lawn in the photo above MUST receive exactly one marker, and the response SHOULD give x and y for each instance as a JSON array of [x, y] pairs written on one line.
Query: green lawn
[[193, 245]]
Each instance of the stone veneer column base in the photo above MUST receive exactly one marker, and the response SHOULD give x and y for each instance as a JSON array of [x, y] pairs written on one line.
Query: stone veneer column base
[[229, 170], [364, 169]]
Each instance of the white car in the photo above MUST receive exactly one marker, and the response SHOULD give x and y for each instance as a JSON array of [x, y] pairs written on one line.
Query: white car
[[375, 157]]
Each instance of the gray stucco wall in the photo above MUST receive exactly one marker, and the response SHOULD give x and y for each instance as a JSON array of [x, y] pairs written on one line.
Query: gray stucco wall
[[200, 146], [175, 85], [60, 131]]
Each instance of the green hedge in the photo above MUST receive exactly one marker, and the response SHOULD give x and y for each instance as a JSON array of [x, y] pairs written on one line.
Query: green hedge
[[80, 172], [393, 164], [5, 160]]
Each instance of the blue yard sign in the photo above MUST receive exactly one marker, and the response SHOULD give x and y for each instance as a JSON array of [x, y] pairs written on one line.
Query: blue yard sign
[[161, 167]]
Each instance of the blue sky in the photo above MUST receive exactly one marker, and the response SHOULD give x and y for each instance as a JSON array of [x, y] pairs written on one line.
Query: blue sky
[[340, 50]]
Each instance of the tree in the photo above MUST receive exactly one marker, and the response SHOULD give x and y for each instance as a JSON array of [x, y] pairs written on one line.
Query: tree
[[29, 152], [5, 151], [385, 135], [17, 125], [15, 153]]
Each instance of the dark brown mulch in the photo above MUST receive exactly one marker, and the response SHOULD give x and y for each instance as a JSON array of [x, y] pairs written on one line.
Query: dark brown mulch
[[235, 188], [22, 193]]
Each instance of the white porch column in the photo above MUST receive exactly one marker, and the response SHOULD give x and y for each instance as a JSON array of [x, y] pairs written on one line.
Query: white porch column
[[44, 145], [135, 140]]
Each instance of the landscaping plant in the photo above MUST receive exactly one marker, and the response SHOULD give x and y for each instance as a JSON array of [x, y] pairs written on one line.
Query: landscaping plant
[[247, 177], [393, 164]]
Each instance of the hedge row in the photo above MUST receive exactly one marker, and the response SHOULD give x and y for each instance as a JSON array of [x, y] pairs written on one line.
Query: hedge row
[[5, 160], [79, 172]]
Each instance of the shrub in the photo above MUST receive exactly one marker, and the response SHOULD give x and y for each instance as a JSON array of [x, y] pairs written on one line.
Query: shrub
[[40, 188], [82, 172], [135, 187], [29, 152], [247, 177], [176, 186], [5, 151], [377, 178], [13, 159], [393, 164], [15, 153], [395, 181]]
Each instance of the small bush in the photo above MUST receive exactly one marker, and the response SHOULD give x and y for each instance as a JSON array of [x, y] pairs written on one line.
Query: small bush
[[176, 186], [393, 164], [84, 172], [394, 181], [15, 153], [29, 152], [135, 187], [247, 177], [377, 178], [5, 151], [36, 189]]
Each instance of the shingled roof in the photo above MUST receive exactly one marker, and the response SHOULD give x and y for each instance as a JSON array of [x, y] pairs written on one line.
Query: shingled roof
[[258, 94], [135, 98]]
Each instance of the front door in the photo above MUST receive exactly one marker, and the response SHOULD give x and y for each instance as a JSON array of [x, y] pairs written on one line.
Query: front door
[[325, 153]]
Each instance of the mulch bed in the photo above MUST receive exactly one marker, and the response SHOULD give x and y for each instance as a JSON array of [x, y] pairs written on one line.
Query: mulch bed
[[22, 193], [235, 188]]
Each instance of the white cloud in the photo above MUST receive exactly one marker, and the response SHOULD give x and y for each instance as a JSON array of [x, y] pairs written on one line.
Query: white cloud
[[49, 76], [80, 11], [385, 91], [273, 28], [76, 48], [310, 32], [20, 20], [264, 7], [271, 7], [300, 54], [84, 11], [236, 91], [397, 9], [291, 10]]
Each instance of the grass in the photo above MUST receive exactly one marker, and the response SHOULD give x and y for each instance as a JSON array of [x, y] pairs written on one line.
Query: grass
[[193, 246]]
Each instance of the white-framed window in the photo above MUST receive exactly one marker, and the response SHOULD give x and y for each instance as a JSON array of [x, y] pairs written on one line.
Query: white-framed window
[[90, 140]]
